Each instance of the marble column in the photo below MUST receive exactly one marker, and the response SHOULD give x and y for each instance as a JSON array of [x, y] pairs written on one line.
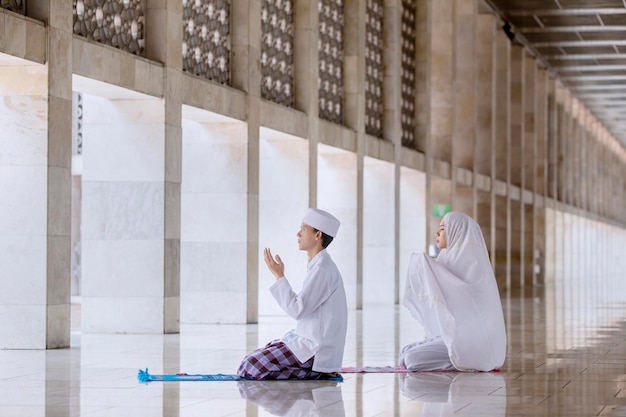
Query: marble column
[[561, 134], [515, 194], [354, 119], [392, 131], [166, 46], [502, 113], [464, 106], [440, 17], [422, 71], [567, 135], [540, 168], [593, 169], [246, 40], [551, 139], [529, 135], [58, 256], [36, 181], [484, 152], [441, 79]]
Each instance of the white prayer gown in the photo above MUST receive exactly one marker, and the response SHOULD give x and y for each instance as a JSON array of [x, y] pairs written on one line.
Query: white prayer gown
[[321, 312], [456, 297]]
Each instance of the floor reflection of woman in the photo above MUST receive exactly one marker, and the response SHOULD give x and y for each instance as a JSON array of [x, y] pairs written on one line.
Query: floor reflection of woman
[[455, 297], [445, 393]]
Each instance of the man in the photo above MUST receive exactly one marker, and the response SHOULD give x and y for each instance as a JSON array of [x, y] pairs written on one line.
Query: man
[[314, 350]]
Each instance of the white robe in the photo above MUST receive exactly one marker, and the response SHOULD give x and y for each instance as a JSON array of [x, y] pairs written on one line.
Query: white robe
[[321, 312], [456, 297]]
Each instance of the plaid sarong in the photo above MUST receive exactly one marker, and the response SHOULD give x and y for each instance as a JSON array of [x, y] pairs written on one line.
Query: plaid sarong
[[275, 361]]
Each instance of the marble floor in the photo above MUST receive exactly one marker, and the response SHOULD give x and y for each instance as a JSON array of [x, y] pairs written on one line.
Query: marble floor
[[566, 357]]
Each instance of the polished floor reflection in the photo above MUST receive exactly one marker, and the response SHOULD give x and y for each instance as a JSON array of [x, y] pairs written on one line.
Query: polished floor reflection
[[567, 357]]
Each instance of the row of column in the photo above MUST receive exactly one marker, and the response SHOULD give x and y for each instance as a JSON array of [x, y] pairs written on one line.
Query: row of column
[[503, 139], [484, 131]]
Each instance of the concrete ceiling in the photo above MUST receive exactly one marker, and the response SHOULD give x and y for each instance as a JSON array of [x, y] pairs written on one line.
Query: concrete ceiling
[[583, 43]]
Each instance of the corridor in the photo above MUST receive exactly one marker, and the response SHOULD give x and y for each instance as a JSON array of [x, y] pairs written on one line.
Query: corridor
[[566, 357]]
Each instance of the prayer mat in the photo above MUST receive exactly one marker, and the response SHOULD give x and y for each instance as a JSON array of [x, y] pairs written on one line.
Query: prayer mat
[[375, 370], [387, 370], [145, 376]]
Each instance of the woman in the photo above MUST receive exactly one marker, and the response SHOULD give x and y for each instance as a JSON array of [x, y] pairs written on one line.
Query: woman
[[456, 299]]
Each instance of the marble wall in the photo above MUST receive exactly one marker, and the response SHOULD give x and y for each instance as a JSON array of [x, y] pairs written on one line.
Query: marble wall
[[337, 193], [122, 215], [23, 205], [283, 199], [412, 219], [213, 219], [379, 234]]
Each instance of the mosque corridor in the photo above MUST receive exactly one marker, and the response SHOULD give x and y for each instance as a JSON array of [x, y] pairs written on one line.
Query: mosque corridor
[[566, 357], [140, 181]]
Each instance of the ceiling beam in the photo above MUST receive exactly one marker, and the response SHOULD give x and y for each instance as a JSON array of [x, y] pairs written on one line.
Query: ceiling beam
[[565, 12], [569, 29], [606, 102], [610, 42], [594, 77], [589, 68], [573, 61], [602, 95], [603, 107], [574, 57], [594, 88]]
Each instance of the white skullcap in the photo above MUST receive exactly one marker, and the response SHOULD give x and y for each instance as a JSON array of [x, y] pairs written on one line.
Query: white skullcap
[[321, 220]]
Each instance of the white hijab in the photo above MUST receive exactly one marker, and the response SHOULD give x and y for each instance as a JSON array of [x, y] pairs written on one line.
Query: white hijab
[[456, 297]]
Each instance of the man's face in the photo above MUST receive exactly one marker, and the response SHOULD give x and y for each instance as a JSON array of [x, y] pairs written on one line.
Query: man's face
[[307, 237]]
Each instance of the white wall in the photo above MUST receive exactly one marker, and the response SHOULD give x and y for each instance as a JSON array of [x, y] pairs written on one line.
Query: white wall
[[123, 215], [283, 199], [337, 194], [213, 219], [378, 232], [413, 237]]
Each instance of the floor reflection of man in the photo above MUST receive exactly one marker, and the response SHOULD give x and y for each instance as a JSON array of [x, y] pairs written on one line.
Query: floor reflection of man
[[295, 398], [444, 393]]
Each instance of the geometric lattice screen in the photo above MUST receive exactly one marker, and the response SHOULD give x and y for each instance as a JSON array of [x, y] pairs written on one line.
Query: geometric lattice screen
[[206, 39], [374, 68], [277, 51], [330, 50], [118, 23]]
